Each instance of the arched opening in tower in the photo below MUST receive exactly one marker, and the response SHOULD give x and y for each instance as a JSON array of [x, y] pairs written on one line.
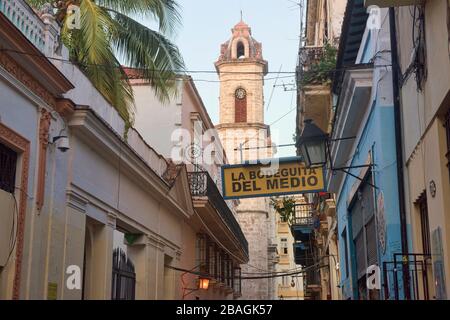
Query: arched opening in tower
[[240, 50]]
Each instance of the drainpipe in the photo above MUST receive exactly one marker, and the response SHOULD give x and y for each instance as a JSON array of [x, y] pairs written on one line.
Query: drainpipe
[[399, 152]]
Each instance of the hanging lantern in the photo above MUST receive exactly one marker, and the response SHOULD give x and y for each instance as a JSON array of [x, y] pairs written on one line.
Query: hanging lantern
[[312, 145], [203, 283]]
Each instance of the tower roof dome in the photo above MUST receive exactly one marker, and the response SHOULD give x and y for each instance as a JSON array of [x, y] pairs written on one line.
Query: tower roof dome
[[241, 46]]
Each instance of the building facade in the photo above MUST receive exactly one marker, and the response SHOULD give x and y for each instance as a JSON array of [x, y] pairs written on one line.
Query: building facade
[[241, 128], [321, 34], [93, 212], [287, 287], [184, 133], [371, 240], [424, 61]]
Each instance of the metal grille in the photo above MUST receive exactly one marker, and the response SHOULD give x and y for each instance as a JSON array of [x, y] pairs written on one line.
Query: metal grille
[[368, 202], [202, 185], [201, 253], [357, 219], [237, 282], [418, 266], [360, 255], [303, 214], [123, 277], [364, 228], [371, 243], [8, 162]]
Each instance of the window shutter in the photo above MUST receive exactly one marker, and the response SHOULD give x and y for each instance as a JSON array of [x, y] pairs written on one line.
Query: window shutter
[[367, 201], [360, 255], [371, 238], [357, 219]]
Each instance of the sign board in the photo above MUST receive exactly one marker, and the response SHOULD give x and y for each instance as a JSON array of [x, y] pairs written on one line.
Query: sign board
[[260, 180]]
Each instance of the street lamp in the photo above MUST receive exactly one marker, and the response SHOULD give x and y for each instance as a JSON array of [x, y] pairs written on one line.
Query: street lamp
[[313, 145], [203, 283]]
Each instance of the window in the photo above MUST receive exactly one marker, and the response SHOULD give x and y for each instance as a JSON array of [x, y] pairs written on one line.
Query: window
[[197, 145], [201, 253], [8, 162], [284, 246], [240, 50], [422, 205], [364, 235], [237, 282], [240, 110], [284, 280]]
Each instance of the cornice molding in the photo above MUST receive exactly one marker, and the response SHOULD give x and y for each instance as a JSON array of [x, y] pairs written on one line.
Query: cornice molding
[[12, 67], [52, 79], [93, 131]]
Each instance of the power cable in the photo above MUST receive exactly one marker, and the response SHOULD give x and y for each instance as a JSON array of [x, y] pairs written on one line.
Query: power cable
[[14, 229], [293, 73], [316, 266]]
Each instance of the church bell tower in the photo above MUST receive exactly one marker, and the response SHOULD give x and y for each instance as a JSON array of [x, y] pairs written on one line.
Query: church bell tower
[[241, 69]]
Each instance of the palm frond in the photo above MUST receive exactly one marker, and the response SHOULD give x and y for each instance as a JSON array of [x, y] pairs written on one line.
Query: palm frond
[[37, 4], [90, 47], [167, 12], [158, 59]]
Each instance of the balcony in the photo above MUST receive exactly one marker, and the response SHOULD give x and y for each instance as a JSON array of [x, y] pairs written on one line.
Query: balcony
[[214, 212], [288, 292], [302, 254], [284, 259], [330, 208], [315, 99], [302, 222], [312, 285], [282, 227], [41, 31]]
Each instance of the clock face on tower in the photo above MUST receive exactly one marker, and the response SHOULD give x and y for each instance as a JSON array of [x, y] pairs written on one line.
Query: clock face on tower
[[240, 93]]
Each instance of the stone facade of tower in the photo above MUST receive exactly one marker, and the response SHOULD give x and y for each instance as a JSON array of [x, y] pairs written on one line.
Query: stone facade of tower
[[241, 69]]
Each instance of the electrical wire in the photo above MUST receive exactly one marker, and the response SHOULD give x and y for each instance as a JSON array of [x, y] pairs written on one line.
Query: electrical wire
[[14, 229], [113, 66], [316, 266]]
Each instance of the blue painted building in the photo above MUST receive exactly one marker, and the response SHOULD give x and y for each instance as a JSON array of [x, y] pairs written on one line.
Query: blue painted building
[[367, 201]]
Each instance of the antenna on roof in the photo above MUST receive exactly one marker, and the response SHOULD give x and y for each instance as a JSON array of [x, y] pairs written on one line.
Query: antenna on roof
[[241, 16]]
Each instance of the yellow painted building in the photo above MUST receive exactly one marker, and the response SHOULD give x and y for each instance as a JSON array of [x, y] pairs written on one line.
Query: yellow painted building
[[287, 287]]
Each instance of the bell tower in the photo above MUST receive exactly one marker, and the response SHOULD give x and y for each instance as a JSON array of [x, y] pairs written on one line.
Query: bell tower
[[241, 69]]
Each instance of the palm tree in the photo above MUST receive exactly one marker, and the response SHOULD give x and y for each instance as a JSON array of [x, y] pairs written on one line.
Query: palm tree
[[108, 31]]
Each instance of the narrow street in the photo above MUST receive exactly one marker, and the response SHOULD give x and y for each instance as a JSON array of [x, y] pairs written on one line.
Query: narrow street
[[252, 154]]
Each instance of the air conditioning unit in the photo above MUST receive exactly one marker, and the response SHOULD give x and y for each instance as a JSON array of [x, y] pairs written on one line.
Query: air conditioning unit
[[392, 3], [7, 212]]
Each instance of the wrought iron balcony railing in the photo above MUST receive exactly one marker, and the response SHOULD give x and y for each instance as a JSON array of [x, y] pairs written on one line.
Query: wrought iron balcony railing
[[303, 215], [307, 57], [202, 185]]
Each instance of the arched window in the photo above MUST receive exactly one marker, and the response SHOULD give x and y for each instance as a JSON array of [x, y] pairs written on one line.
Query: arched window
[[240, 50], [240, 108]]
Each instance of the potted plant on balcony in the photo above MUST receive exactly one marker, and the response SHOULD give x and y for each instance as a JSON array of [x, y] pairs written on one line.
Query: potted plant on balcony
[[321, 72], [285, 208]]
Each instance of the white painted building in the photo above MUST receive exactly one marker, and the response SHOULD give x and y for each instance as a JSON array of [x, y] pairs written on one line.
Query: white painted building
[[67, 202]]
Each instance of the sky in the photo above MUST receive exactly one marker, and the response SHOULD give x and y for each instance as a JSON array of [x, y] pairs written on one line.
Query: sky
[[206, 24]]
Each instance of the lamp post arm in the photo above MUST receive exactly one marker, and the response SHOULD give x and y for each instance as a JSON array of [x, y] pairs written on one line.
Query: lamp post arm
[[345, 138], [354, 167], [355, 176]]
